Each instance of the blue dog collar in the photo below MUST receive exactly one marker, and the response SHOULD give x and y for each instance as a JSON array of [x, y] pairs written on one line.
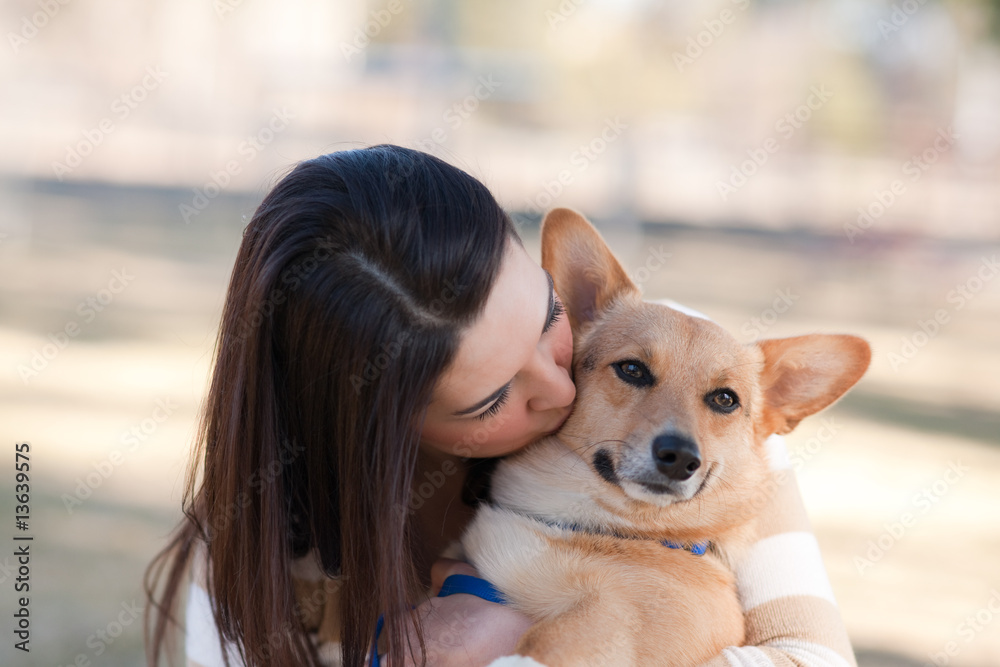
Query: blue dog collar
[[698, 548]]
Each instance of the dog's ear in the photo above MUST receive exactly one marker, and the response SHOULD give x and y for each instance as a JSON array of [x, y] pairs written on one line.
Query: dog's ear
[[586, 275], [803, 375]]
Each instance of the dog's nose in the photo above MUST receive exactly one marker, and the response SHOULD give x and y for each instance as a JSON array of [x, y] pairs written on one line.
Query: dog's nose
[[676, 457]]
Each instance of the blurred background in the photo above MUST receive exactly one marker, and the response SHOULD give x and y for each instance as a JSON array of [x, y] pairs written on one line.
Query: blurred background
[[784, 166]]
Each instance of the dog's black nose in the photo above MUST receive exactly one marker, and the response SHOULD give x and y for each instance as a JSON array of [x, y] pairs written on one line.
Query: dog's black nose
[[676, 457]]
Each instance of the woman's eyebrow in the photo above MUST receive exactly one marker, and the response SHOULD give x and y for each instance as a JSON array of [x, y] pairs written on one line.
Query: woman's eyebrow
[[495, 395]]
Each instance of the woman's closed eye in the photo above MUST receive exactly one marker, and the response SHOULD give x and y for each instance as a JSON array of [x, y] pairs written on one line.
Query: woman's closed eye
[[557, 311], [497, 405]]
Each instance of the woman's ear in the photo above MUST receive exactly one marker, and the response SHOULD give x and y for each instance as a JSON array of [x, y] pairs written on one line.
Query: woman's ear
[[586, 275]]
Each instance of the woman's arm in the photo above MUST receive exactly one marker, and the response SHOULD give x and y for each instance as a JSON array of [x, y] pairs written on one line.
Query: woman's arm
[[790, 612]]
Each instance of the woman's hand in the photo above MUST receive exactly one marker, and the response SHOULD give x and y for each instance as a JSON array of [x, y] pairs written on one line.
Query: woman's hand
[[463, 630]]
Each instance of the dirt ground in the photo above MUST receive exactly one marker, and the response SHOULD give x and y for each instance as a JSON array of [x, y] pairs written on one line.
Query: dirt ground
[[902, 480]]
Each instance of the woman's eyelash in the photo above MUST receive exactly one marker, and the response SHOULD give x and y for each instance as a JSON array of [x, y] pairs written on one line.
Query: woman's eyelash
[[497, 405], [557, 311]]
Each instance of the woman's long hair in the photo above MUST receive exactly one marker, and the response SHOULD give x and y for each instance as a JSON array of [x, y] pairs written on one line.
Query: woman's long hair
[[353, 282]]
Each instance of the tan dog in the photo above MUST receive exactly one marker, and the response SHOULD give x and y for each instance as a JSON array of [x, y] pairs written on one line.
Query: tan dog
[[665, 442]]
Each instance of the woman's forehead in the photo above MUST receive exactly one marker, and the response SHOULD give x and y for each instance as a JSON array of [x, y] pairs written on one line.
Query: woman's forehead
[[495, 347]]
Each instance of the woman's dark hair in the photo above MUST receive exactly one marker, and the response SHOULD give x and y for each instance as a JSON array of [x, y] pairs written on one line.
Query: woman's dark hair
[[353, 282]]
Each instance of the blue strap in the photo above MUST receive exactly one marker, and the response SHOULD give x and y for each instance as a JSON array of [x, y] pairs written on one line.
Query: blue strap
[[456, 583], [378, 630], [698, 548], [465, 583]]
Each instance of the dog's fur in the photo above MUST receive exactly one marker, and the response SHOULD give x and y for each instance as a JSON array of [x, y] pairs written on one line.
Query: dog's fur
[[605, 591]]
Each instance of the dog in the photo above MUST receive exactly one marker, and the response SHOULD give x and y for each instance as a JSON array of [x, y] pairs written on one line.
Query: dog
[[664, 448]]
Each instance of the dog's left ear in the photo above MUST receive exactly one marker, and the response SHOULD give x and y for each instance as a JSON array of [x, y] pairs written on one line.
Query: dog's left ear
[[586, 275], [805, 374]]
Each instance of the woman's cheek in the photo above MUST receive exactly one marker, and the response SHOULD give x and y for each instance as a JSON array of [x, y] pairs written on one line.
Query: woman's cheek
[[500, 435], [508, 433], [498, 442]]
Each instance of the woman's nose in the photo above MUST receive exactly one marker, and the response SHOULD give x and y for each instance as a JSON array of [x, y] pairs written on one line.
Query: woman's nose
[[553, 387]]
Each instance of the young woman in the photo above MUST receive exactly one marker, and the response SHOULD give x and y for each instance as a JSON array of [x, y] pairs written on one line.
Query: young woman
[[385, 335]]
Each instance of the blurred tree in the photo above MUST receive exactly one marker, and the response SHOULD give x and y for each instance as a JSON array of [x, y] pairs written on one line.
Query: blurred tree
[[994, 10]]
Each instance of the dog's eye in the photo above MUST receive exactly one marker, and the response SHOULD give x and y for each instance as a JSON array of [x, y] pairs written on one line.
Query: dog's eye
[[634, 372], [723, 400]]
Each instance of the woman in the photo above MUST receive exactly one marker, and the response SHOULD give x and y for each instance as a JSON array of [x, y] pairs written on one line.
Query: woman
[[384, 335]]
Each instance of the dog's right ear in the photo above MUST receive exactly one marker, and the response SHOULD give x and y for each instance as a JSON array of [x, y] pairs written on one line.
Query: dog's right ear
[[586, 275]]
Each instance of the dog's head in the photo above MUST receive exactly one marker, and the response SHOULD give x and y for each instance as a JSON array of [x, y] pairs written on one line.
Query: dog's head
[[672, 411]]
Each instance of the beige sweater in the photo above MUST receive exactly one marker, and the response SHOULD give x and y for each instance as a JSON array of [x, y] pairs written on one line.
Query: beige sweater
[[791, 615]]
